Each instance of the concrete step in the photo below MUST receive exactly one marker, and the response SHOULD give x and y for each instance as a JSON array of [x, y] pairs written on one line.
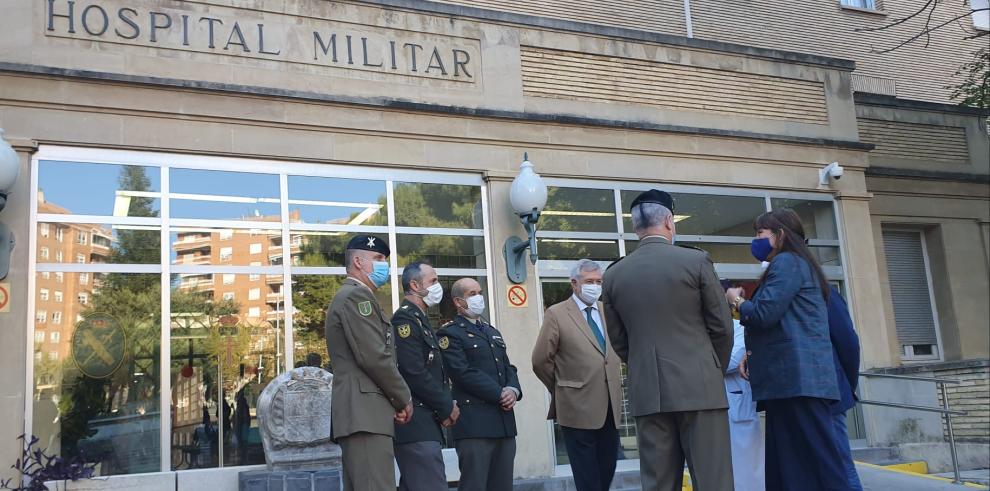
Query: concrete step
[[875, 455]]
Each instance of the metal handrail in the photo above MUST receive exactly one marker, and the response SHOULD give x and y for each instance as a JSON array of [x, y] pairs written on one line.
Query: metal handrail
[[944, 410], [909, 377], [913, 407]]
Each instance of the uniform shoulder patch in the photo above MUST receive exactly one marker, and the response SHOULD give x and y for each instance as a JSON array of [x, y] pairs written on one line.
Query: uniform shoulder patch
[[444, 342], [404, 331], [364, 308]]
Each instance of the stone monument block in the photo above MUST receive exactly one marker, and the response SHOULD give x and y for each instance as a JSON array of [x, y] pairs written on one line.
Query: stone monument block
[[294, 418]]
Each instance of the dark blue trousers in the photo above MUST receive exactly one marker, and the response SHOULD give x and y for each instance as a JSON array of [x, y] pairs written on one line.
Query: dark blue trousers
[[592, 454], [802, 454]]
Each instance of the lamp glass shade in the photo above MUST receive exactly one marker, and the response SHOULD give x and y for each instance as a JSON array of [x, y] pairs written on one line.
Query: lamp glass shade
[[528, 190], [10, 165]]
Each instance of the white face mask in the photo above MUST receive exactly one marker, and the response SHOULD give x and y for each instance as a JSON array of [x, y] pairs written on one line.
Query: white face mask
[[434, 294], [475, 306], [590, 293]]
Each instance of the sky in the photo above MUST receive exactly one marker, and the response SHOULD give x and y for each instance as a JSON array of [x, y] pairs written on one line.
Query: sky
[[90, 189]]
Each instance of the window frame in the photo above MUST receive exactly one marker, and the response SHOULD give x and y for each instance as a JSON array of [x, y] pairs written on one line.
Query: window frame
[[165, 162], [559, 270], [907, 351]]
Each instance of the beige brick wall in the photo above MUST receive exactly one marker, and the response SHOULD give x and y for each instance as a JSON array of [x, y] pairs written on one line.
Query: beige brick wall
[[972, 396], [939, 144], [918, 71], [665, 16], [577, 76], [822, 27]]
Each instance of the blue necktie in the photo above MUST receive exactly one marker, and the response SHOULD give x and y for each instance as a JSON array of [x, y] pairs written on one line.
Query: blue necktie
[[594, 328]]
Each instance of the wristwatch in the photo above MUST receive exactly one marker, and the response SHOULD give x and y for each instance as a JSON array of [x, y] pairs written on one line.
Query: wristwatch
[[739, 301]]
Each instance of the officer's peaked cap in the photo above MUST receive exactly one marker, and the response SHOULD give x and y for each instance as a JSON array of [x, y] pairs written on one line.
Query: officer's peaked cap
[[654, 196]]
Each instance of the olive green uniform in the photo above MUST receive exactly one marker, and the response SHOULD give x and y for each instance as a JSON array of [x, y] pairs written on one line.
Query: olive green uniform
[[367, 387]]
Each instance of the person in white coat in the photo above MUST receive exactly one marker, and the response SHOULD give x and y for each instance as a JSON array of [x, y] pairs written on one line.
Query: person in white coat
[[744, 424]]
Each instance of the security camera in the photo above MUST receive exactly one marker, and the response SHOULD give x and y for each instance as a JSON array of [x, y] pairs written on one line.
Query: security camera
[[833, 170]]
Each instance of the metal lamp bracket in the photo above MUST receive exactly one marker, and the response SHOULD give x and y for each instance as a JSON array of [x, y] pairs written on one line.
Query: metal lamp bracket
[[515, 248]]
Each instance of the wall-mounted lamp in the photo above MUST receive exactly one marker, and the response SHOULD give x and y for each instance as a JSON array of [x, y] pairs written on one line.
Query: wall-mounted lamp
[[10, 168], [528, 196]]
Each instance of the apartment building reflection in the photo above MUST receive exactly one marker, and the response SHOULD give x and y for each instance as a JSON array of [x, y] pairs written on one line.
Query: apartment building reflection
[[61, 298], [260, 298]]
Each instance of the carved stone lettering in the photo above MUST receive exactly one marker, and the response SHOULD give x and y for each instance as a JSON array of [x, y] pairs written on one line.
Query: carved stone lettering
[[348, 48]]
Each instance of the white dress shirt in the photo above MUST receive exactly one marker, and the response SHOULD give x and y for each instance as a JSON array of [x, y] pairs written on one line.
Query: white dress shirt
[[595, 315]]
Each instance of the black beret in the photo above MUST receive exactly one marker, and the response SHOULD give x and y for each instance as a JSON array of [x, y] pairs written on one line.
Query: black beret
[[369, 243], [654, 196]]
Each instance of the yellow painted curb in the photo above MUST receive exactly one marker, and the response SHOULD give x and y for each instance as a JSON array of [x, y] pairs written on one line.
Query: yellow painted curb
[[925, 476], [919, 467]]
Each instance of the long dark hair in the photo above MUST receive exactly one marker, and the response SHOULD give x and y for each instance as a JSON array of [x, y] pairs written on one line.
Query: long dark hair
[[786, 226]]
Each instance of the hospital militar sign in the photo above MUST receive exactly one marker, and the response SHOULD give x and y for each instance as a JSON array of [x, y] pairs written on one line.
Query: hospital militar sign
[[227, 31]]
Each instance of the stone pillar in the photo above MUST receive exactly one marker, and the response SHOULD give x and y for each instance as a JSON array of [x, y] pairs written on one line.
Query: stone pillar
[[863, 276], [14, 323], [520, 327]]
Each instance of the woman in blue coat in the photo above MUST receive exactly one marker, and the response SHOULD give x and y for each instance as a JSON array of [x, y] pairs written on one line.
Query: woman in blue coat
[[791, 369]]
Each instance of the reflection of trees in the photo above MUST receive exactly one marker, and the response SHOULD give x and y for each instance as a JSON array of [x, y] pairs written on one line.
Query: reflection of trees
[[416, 205], [134, 301], [579, 200]]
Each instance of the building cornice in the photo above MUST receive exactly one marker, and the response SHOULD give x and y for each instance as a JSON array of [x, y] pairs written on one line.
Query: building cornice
[[865, 99], [935, 175], [407, 105]]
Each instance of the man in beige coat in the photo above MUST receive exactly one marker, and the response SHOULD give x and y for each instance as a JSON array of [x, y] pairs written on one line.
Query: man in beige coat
[[369, 394], [573, 359], [668, 319]]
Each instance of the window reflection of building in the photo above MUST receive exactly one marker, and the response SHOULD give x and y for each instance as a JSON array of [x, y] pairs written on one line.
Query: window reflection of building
[[228, 294], [222, 246], [61, 301]]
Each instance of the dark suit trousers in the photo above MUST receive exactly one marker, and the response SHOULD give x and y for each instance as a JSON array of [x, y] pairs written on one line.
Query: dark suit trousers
[[486, 463], [421, 466], [802, 453], [593, 454], [667, 439]]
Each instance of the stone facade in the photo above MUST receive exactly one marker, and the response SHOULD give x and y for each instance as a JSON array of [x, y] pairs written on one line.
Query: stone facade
[[272, 105]]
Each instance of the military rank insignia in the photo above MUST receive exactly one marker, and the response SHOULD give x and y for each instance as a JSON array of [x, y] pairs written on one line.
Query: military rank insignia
[[364, 308], [444, 343], [404, 331]]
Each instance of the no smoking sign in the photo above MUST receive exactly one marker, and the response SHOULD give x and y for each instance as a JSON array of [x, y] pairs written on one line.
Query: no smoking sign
[[4, 297], [517, 296]]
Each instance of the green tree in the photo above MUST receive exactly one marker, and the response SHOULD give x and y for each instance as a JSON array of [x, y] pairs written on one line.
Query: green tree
[[974, 90]]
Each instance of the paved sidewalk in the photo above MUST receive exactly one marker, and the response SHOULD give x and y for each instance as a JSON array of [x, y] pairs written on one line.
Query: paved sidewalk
[[980, 476], [878, 479]]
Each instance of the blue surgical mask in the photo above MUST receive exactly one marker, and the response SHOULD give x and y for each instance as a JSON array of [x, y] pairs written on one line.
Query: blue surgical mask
[[379, 273], [761, 248]]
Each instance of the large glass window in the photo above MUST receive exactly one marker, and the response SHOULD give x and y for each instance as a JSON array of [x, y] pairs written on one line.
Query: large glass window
[[580, 222], [162, 357]]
